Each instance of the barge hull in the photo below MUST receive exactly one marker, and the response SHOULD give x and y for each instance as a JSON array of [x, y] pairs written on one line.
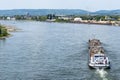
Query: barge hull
[[97, 56]]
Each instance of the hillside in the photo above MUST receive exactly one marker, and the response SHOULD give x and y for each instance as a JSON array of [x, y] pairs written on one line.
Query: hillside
[[56, 11]]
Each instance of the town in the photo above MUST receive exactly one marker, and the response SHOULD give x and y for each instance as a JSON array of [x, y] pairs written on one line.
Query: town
[[85, 19]]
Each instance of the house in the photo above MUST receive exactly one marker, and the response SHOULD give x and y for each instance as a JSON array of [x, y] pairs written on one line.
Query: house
[[11, 18], [8, 18], [77, 19], [64, 17]]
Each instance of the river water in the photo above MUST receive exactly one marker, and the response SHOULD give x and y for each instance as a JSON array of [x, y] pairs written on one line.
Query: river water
[[56, 51]]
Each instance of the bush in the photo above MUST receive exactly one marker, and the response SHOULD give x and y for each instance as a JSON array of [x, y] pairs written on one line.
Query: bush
[[3, 31]]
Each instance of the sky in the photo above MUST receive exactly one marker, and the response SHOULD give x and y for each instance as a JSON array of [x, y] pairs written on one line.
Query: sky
[[90, 5]]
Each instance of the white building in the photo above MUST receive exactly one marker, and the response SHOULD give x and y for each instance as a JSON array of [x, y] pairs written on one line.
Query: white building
[[65, 18], [11, 18], [77, 19], [8, 18]]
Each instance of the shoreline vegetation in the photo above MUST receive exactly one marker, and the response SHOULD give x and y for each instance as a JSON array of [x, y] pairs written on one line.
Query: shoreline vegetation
[[5, 31], [81, 19]]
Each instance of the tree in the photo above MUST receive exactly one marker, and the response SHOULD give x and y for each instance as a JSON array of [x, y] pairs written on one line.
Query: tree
[[3, 31]]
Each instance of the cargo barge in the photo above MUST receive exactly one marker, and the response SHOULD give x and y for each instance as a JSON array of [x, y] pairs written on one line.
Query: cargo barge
[[97, 56]]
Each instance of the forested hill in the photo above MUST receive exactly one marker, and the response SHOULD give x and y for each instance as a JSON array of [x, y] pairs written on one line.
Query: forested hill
[[56, 11]]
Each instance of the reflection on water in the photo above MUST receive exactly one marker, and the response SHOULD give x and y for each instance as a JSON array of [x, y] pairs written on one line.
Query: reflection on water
[[56, 51], [2, 42]]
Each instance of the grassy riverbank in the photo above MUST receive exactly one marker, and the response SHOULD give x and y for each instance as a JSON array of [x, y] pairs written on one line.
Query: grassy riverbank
[[3, 31]]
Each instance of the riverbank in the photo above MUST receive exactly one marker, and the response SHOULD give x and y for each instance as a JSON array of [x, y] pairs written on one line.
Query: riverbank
[[12, 28], [97, 22], [113, 23], [84, 19], [5, 31]]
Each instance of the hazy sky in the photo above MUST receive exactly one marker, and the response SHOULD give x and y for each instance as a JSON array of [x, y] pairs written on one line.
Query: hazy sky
[[91, 5]]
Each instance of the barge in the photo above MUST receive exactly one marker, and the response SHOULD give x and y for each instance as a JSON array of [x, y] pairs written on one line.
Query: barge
[[97, 56]]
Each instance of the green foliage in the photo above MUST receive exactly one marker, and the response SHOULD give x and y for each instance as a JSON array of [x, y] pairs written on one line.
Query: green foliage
[[19, 17], [53, 16], [3, 31], [39, 18], [42, 18], [62, 20]]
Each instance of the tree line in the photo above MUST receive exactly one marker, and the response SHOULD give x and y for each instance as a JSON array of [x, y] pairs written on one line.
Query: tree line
[[53, 16]]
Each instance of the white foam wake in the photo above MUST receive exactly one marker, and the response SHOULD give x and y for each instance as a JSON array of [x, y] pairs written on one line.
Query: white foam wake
[[102, 73]]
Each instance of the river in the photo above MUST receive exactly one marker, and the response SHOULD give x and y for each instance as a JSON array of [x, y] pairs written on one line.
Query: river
[[56, 51]]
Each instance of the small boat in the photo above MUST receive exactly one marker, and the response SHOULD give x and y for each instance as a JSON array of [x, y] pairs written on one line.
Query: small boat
[[97, 56]]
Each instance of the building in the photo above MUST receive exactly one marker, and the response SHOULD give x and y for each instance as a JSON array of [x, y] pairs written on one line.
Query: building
[[8, 18], [65, 18], [77, 19], [11, 18]]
